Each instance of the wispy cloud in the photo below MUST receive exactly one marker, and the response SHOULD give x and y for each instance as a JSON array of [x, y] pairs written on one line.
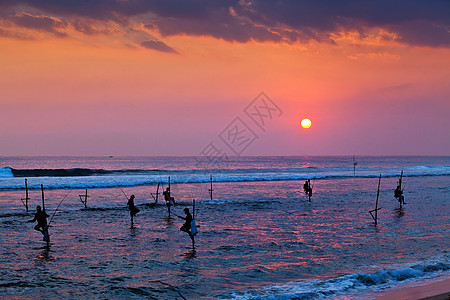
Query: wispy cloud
[[158, 45]]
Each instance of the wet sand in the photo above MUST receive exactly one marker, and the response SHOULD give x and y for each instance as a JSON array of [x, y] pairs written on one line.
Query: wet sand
[[431, 290]]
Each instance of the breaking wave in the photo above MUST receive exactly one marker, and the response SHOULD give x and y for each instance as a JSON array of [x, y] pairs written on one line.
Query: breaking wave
[[359, 283], [99, 178]]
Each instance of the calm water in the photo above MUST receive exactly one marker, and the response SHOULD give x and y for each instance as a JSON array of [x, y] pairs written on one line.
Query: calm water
[[259, 238]]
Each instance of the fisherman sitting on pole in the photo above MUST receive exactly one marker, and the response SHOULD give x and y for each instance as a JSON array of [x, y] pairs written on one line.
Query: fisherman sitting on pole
[[170, 201], [307, 188], [41, 217], [398, 194]]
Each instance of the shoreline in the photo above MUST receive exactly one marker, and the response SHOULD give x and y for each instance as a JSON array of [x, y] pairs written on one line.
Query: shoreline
[[432, 289]]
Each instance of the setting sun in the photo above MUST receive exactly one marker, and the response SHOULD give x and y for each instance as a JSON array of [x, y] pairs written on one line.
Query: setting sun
[[306, 123]]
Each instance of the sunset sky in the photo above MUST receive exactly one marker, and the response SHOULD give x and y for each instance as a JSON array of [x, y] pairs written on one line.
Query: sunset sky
[[136, 77]]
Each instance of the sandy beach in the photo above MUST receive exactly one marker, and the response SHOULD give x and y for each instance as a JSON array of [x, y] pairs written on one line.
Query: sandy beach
[[432, 290]]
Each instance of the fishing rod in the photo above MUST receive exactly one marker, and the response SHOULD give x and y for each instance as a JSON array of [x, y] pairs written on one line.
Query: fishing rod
[[193, 211], [51, 219], [121, 189], [171, 286]]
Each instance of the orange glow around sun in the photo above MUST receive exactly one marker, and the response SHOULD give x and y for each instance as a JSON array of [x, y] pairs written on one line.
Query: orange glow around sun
[[306, 123]]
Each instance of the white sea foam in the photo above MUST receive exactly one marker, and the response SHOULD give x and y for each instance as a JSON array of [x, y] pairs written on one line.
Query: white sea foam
[[8, 181], [354, 284], [103, 178]]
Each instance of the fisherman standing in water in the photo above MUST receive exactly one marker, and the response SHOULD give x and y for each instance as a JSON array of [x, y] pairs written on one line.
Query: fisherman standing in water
[[41, 217], [133, 209], [187, 225]]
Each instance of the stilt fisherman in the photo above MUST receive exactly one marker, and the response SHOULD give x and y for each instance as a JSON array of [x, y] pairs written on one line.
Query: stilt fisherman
[[187, 226], [308, 189], [41, 217]]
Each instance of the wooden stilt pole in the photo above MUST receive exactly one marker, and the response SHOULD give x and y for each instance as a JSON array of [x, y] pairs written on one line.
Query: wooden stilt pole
[[85, 198], [310, 189], [169, 204], [157, 192], [45, 230], [400, 184], [211, 189], [26, 196], [155, 197], [43, 198], [376, 204], [193, 231]]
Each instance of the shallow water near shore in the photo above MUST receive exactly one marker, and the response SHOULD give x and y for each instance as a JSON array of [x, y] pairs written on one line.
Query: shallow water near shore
[[259, 238]]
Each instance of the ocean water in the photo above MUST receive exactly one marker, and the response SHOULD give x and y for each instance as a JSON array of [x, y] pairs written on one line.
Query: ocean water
[[259, 237]]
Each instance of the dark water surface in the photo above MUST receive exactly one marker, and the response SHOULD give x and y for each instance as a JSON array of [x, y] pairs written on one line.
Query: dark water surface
[[257, 239]]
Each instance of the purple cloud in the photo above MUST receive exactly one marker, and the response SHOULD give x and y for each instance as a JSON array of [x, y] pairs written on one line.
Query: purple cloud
[[41, 23], [415, 22]]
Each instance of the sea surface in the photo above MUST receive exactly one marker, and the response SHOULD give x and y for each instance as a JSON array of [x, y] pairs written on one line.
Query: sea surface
[[259, 236]]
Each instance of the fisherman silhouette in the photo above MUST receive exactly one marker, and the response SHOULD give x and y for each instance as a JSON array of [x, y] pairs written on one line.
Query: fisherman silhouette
[[187, 225], [398, 194], [170, 201], [307, 188], [41, 217], [133, 209]]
